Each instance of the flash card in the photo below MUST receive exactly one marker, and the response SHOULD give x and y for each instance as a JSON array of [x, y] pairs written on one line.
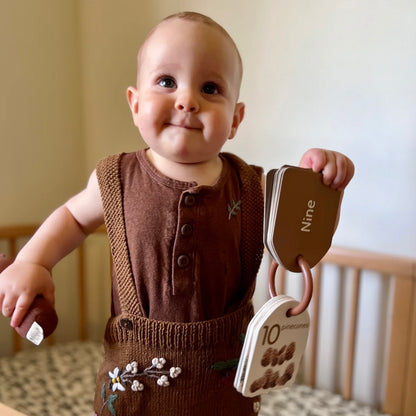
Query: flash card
[[299, 217], [273, 348]]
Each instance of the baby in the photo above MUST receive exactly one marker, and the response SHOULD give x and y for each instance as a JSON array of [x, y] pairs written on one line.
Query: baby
[[184, 264]]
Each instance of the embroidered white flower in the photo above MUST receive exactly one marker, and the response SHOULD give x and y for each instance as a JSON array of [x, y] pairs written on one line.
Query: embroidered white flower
[[163, 381], [120, 378], [132, 367], [159, 363], [115, 380], [137, 386], [175, 371]]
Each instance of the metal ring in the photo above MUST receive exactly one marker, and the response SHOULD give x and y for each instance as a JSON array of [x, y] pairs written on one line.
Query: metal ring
[[307, 294]]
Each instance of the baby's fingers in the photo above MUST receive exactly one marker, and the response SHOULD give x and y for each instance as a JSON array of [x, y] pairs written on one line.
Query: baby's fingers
[[321, 160], [22, 306], [331, 171], [336, 168], [15, 307], [7, 310], [346, 172], [314, 159], [8, 304]]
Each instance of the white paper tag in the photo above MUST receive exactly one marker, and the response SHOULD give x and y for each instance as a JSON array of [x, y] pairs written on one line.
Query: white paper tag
[[273, 348], [35, 333]]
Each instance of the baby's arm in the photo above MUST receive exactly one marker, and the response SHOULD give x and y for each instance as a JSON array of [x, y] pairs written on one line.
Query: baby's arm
[[62, 231]]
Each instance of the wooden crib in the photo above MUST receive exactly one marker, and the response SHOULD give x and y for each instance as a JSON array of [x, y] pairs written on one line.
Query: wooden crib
[[58, 377]]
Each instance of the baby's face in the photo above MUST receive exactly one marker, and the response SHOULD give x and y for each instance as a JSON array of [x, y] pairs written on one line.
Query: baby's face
[[185, 104]]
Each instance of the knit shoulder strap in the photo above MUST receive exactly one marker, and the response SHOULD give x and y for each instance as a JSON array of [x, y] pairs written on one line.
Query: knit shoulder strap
[[108, 175], [252, 203]]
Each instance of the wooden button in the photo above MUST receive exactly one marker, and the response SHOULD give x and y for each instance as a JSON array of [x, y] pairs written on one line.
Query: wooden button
[[126, 324], [186, 230], [183, 261], [189, 200]]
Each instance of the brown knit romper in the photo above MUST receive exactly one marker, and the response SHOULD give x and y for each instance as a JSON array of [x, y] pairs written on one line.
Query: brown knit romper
[[157, 367]]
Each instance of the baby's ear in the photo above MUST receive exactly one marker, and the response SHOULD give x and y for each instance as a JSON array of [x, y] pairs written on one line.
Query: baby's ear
[[132, 99], [237, 118]]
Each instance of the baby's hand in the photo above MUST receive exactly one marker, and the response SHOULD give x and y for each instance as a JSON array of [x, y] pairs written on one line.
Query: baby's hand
[[337, 169], [20, 283]]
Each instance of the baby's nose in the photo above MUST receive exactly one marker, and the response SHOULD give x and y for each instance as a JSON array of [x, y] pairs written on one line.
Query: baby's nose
[[187, 101]]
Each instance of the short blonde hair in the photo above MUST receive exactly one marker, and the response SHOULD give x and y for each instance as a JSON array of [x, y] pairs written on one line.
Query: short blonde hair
[[197, 17]]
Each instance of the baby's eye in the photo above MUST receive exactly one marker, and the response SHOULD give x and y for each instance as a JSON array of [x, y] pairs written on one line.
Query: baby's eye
[[210, 88], [167, 82]]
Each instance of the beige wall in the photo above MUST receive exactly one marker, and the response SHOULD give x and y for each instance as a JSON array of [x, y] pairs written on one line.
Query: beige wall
[[42, 157]]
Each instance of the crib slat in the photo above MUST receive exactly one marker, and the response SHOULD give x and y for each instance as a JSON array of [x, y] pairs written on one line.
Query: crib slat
[[17, 342], [397, 362], [82, 318], [16, 231], [12, 247], [314, 329], [365, 260], [352, 334], [410, 400]]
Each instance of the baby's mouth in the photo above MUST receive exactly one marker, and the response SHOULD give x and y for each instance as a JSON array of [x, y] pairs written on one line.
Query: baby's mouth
[[185, 125]]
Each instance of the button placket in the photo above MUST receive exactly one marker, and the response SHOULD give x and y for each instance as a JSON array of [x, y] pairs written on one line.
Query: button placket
[[183, 249]]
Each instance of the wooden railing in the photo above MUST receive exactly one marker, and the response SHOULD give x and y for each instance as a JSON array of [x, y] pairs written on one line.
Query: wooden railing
[[14, 237], [399, 398]]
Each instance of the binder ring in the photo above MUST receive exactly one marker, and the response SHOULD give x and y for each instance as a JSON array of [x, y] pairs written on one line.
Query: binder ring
[[307, 294]]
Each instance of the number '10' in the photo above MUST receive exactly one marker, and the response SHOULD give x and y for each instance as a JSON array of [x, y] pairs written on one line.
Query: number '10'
[[271, 334]]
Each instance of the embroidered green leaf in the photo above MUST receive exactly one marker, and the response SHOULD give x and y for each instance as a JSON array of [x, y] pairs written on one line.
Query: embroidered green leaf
[[111, 400], [225, 365], [234, 208], [103, 392]]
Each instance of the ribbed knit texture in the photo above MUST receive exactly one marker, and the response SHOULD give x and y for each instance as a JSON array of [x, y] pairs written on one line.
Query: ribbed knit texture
[[175, 335], [109, 182], [252, 222]]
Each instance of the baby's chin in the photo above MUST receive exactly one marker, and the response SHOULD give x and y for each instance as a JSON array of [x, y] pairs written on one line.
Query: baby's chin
[[196, 159], [180, 154]]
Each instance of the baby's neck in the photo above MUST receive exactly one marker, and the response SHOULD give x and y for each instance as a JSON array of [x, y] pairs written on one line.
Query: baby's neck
[[204, 173]]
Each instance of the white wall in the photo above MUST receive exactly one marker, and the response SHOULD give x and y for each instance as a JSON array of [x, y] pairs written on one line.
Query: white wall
[[340, 75], [336, 74]]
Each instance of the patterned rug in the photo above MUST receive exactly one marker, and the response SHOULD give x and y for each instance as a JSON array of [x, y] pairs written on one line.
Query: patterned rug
[[51, 381], [299, 400], [61, 381]]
